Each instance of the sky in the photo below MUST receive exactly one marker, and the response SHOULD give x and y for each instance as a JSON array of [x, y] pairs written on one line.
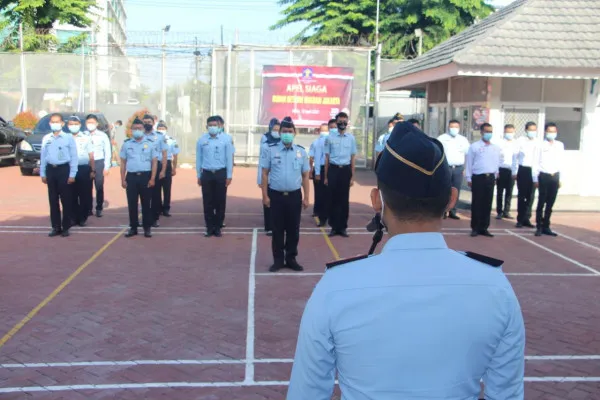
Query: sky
[[251, 18]]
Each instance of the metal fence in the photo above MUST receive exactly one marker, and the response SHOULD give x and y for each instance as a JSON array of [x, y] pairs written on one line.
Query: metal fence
[[219, 80]]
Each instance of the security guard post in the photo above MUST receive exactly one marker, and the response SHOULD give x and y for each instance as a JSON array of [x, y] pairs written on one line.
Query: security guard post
[[527, 148], [138, 176], [481, 171], [382, 321], [340, 158], [284, 171], [82, 189], [214, 168], [172, 153], [160, 144], [269, 138], [102, 157], [546, 177], [508, 172], [58, 168], [456, 147]]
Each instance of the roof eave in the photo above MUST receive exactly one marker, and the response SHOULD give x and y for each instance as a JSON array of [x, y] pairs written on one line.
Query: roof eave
[[419, 78], [528, 72]]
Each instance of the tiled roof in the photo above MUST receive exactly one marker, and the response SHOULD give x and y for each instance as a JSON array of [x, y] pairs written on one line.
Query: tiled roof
[[526, 33]]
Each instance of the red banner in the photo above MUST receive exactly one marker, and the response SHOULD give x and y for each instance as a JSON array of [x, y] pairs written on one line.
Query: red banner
[[310, 95]]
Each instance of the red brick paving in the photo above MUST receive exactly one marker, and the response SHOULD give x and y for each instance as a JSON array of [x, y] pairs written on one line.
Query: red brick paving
[[185, 297]]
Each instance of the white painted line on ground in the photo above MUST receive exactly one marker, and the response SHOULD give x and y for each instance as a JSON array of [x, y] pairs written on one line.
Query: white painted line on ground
[[591, 246], [174, 385], [249, 375], [566, 357], [555, 253], [508, 274]]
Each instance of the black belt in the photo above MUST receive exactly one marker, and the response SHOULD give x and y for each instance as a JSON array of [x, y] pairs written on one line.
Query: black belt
[[140, 173], [549, 174], [212, 170], [456, 166], [285, 193], [58, 165], [340, 166], [485, 175]]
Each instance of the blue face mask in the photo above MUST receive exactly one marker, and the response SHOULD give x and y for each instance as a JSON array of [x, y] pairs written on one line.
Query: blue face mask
[[74, 128], [333, 131], [324, 134], [55, 127], [531, 134], [487, 136], [138, 134], [550, 136], [509, 136], [275, 134], [213, 130], [453, 131], [287, 138]]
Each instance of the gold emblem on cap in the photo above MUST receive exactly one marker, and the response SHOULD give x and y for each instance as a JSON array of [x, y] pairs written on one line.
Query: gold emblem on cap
[[412, 164]]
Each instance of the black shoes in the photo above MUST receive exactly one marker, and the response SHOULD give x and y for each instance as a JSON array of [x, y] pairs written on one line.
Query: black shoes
[[213, 232], [342, 233], [545, 231], [485, 233], [58, 232], [99, 213], [294, 266], [131, 232]]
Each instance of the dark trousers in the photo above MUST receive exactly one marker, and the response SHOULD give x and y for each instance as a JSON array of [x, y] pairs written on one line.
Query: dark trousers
[[321, 197], [137, 187], [59, 190], [156, 201], [286, 209], [456, 182], [339, 204], [166, 188], [267, 218], [482, 189], [548, 187], [526, 194], [82, 194], [213, 197], [504, 192], [223, 206], [99, 184]]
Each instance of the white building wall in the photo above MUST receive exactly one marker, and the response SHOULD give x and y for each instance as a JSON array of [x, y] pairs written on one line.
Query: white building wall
[[590, 142]]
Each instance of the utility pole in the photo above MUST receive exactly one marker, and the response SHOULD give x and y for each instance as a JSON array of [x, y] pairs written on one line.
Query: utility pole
[[163, 78], [222, 41], [23, 71]]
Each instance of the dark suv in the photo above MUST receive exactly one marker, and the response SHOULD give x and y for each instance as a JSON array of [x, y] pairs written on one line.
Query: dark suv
[[10, 137], [28, 153]]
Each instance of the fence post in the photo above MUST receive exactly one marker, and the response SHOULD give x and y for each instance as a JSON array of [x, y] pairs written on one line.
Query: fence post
[[250, 141], [93, 70], [23, 72], [376, 98], [228, 98], [367, 107], [213, 82]]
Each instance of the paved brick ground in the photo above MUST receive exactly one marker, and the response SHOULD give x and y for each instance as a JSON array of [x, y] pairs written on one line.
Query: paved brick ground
[[183, 298]]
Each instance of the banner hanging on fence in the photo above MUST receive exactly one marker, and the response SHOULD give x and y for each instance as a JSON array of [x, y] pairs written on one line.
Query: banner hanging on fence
[[310, 95]]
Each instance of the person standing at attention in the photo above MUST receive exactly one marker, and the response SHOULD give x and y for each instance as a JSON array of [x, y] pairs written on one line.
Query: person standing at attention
[[508, 172], [171, 169], [340, 159], [483, 163], [102, 159], [214, 169], [58, 168], [527, 147], [86, 170], [316, 150], [382, 139], [160, 143], [456, 147], [285, 170], [548, 161], [419, 320], [139, 166], [269, 138]]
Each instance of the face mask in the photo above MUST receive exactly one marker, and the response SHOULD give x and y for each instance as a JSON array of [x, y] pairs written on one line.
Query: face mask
[[531, 134], [324, 134], [91, 127], [487, 136], [333, 131], [551, 136], [148, 127], [55, 127], [453, 131], [509, 136], [342, 125], [221, 129], [213, 130], [275, 134], [287, 138], [390, 129], [137, 134], [74, 128], [163, 132]]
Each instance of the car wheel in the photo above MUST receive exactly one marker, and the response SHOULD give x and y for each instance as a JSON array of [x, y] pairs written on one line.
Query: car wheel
[[26, 171]]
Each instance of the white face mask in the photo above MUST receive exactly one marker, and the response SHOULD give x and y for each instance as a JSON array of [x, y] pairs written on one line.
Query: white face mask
[[91, 126]]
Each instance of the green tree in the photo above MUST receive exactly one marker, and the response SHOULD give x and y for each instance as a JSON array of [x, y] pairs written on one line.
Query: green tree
[[352, 22]]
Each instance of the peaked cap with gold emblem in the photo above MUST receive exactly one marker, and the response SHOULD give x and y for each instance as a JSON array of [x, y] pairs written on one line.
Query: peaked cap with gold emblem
[[413, 164]]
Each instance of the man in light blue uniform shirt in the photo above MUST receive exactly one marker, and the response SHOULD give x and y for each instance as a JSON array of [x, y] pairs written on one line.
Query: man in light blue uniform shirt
[[340, 159], [221, 125], [58, 168], [138, 176], [82, 189], [214, 169], [167, 183], [102, 159], [317, 167], [160, 144], [382, 140], [419, 320], [272, 136], [285, 170]]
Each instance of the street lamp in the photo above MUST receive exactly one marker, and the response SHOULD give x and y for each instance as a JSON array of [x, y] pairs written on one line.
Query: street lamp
[[163, 89]]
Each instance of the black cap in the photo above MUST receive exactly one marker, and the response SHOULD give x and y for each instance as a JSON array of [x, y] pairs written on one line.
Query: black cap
[[161, 125], [413, 163], [148, 116], [137, 121], [287, 122], [74, 118]]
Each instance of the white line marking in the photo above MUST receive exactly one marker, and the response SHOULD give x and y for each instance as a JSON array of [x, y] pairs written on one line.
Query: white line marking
[[563, 357], [555, 253], [591, 246], [249, 376], [508, 273], [173, 385]]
